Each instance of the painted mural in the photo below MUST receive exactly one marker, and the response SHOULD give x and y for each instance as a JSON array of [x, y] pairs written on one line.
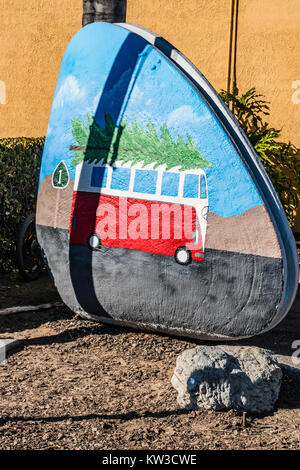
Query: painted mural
[[150, 202], [150, 213]]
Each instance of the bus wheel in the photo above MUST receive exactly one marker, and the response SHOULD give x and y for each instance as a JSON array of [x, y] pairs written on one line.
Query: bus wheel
[[183, 255], [94, 242]]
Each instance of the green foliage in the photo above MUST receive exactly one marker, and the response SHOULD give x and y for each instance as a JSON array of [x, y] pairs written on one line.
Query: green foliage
[[19, 169], [279, 158], [134, 145]]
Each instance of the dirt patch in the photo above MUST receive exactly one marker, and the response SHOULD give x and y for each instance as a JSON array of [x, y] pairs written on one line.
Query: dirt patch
[[15, 292], [75, 384]]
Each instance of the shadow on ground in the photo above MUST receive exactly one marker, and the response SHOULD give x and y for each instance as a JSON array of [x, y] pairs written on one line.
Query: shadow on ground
[[76, 384], [279, 340]]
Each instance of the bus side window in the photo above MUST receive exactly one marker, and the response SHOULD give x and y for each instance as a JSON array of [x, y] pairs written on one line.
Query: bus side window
[[191, 186], [203, 192], [120, 179], [145, 181], [170, 183], [99, 177]]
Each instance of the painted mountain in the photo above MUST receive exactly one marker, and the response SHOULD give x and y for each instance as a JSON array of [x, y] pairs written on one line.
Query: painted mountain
[[133, 119]]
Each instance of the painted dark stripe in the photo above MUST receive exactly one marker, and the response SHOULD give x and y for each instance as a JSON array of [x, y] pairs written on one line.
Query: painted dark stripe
[[227, 294]]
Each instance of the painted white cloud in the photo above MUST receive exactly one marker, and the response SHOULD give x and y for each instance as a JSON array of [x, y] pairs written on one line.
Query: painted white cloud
[[137, 94], [185, 115], [69, 92]]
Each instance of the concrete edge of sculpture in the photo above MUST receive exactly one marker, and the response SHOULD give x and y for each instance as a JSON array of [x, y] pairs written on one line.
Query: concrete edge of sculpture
[[246, 151]]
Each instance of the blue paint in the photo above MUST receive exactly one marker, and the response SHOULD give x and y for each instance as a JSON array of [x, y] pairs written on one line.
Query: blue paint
[[119, 78], [191, 186], [99, 177], [106, 69], [145, 181], [120, 179], [203, 192], [170, 184]]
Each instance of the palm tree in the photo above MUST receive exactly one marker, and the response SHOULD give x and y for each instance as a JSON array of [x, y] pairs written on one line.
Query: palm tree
[[112, 11]]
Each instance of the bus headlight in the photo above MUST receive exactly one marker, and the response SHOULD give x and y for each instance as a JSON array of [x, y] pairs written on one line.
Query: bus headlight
[[205, 212]]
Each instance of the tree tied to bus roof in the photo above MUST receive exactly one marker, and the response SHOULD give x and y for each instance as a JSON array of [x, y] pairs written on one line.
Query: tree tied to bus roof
[[133, 145]]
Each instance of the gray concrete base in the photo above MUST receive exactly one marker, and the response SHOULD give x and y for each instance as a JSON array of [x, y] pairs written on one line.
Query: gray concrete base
[[6, 344], [227, 295]]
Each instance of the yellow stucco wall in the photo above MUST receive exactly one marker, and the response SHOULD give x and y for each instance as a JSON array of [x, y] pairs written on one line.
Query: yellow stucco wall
[[34, 35], [198, 28]]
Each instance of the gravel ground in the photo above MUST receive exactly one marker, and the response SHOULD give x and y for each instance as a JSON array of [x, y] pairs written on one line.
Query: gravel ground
[[75, 384]]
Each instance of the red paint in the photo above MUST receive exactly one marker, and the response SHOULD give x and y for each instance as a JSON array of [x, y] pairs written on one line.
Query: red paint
[[89, 209]]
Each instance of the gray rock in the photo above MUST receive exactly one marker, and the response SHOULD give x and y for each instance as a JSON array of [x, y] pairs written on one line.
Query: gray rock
[[227, 377], [6, 344]]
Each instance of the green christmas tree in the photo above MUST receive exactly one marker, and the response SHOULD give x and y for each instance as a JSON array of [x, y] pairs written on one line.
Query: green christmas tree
[[134, 145]]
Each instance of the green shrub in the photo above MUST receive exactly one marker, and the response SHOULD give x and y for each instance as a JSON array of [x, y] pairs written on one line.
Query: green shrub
[[20, 160], [279, 158]]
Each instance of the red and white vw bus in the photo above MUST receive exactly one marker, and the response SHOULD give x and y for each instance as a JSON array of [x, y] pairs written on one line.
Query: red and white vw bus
[[140, 208]]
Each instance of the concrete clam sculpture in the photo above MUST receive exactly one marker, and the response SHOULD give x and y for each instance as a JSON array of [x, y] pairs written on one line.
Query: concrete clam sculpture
[[153, 208]]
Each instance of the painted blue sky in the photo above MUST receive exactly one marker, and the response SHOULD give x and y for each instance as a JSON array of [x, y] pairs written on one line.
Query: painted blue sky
[[95, 73]]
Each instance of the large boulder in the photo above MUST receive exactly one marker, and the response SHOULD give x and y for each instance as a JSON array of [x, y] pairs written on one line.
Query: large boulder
[[227, 377]]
